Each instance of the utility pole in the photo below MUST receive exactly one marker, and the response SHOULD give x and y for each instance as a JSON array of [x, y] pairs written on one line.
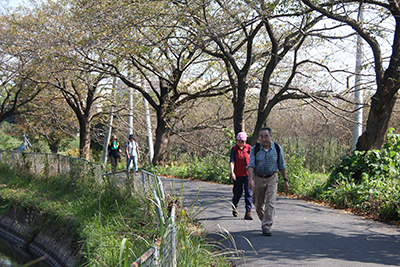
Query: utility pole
[[148, 130], [149, 135], [130, 116], [109, 127], [358, 95]]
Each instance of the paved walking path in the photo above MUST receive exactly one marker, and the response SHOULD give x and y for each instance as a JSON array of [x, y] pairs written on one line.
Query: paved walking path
[[304, 233]]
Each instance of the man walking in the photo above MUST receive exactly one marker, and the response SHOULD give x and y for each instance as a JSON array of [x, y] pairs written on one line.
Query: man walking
[[266, 158], [239, 159]]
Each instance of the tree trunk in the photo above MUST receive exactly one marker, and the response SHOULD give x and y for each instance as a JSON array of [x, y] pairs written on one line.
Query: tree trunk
[[239, 102], [54, 148], [383, 101], [54, 142], [164, 111], [161, 145], [264, 105], [84, 137], [264, 109], [378, 123]]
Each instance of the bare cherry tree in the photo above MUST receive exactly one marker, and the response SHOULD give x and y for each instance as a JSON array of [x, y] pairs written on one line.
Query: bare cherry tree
[[387, 80]]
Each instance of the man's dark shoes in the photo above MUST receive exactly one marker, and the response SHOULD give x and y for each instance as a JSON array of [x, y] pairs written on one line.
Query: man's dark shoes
[[248, 215], [235, 212]]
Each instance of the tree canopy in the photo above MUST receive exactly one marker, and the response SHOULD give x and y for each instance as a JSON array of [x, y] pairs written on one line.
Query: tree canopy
[[178, 53]]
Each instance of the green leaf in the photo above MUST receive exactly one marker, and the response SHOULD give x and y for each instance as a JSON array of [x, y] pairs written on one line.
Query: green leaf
[[121, 252]]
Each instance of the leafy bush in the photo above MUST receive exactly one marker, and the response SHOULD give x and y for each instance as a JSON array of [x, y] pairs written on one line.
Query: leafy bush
[[361, 165], [368, 181], [302, 182], [8, 141]]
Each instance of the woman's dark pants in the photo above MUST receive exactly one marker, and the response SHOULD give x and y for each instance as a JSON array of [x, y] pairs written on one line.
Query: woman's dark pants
[[238, 186]]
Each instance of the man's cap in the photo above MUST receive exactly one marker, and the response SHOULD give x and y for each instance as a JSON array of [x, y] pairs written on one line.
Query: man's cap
[[242, 136], [131, 136]]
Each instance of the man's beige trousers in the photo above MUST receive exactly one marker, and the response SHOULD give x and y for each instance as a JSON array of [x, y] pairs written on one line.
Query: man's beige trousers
[[265, 189]]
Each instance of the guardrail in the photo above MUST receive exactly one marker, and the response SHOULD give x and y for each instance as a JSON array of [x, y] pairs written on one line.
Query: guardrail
[[50, 164], [163, 252]]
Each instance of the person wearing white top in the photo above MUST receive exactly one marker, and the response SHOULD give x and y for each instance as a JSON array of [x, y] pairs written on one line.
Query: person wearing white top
[[132, 153]]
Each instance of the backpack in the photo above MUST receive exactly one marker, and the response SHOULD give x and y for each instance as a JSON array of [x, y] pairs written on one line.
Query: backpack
[[257, 148], [114, 145]]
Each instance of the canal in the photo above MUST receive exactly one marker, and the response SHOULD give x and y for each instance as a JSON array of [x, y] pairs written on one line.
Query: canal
[[12, 255]]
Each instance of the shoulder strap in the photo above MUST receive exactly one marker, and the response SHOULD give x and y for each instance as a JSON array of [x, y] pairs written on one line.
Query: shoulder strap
[[278, 151], [257, 148]]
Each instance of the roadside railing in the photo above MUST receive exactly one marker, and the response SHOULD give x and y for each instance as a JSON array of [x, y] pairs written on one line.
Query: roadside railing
[[163, 252], [50, 164]]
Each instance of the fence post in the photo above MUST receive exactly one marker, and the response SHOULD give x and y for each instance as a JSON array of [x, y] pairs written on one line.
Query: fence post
[[59, 164], [157, 255], [160, 186], [143, 174], [34, 162], [173, 237], [159, 208]]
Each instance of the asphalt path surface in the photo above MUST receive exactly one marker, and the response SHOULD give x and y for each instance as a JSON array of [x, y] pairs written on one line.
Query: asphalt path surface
[[303, 234]]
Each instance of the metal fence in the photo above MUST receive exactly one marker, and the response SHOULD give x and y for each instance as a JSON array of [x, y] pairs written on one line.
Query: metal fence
[[163, 252], [51, 164]]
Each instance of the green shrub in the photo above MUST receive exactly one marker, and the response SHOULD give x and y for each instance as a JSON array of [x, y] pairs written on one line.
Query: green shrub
[[8, 141], [301, 181], [361, 165], [367, 181]]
